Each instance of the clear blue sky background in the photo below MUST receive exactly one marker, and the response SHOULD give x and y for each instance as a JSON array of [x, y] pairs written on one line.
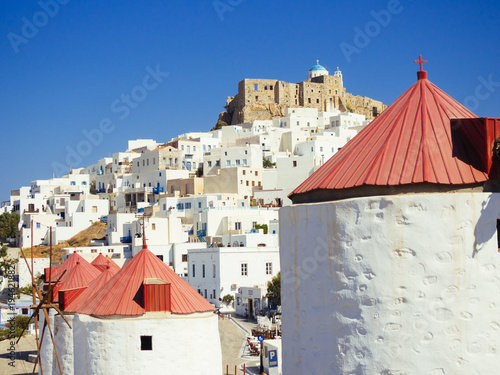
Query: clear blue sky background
[[64, 79]]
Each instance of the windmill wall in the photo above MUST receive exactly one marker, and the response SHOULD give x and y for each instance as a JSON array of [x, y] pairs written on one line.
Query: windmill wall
[[403, 284], [181, 344]]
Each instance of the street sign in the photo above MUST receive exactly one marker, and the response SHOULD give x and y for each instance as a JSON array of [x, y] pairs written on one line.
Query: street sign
[[273, 358], [260, 338]]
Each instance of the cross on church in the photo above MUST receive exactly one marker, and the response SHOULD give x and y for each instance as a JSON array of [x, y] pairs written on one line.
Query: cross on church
[[420, 61]]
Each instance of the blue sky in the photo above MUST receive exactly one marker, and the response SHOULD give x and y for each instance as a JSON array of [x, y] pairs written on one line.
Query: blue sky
[[67, 67]]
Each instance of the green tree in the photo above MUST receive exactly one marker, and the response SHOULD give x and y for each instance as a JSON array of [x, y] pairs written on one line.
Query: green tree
[[6, 264], [8, 225], [219, 125], [274, 289], [228, 299], [267, 164], [3, 251], [21, 322], [262, 226]]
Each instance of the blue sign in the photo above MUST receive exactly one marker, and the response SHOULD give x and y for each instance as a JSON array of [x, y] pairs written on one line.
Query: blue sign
[[260, 338], [273, 358]]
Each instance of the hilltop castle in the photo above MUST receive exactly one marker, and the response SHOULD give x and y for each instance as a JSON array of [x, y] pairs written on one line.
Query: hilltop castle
[[265, 99]]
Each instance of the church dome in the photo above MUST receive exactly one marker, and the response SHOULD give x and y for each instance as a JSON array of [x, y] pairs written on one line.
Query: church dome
[[317, 70], [317, 67]]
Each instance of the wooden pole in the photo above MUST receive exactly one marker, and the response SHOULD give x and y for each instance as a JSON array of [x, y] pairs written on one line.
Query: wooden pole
[[38, 354], [50, 262], [33, 287]]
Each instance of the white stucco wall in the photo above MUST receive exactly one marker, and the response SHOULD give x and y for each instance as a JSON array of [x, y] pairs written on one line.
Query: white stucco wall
[[391, 285], [182, 344]]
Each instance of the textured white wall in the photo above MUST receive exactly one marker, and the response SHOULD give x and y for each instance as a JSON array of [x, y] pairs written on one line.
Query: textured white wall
[[403, 284], [187, 344]]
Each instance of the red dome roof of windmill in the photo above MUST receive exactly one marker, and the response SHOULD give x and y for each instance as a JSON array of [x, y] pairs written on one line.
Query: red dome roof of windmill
[[102, 262], [119, 295], [82, 274], [409, 143], [92, 288]]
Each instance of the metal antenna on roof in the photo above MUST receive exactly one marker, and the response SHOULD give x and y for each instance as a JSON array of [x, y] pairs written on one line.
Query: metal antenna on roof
[[143, 217]]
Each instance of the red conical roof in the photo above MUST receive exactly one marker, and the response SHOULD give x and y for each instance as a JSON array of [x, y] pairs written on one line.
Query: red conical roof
[[409, 143], [82, 274], [92, 289], [102, 262], [67, 266], [119, 295]]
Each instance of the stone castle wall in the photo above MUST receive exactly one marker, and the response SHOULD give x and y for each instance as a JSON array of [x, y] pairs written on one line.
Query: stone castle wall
[[266, 99]]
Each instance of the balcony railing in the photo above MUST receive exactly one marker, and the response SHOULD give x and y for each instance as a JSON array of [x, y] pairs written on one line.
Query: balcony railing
[[158, 190], [126, 239]]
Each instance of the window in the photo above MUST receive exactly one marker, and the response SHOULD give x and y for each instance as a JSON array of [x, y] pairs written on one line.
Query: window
[[205, 293], [182, 147], [244, 269], [93, 250], [214, 293], [309, 100], [214, 273], [184, 257], [237, 161], [153, 226], [146, 342], [38, 225], [228, 163], [294, 163], [256, 173], [237, 225], [317, 100], [247, 183], [194, 270], [199, 204], [160, 257], [255, 87], [203, 271], [110, 250], [269, 268], [209, 163], [244, 161], [94, 209], [188, 206]]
